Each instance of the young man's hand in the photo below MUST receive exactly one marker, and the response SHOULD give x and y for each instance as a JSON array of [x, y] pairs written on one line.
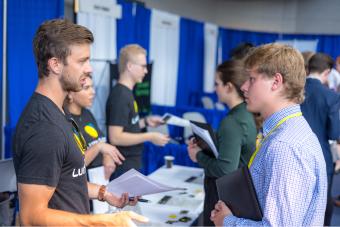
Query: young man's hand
[[219, 213], [159, 138], [153, 121]]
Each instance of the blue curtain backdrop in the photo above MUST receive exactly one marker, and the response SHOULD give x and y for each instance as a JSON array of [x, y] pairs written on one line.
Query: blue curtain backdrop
[[329, 44], [125, 25], [190, 67], [134, 26], [231, 38], [24, 17], [142, 27]]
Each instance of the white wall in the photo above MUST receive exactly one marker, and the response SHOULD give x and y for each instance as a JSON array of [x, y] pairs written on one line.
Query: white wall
[[283, 16]]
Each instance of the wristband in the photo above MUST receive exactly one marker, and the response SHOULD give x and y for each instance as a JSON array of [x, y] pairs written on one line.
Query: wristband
[[146, 122], [101, 193]]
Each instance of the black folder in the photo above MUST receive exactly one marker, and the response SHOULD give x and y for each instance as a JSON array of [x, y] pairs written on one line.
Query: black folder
[[201, 143], [237, 191]]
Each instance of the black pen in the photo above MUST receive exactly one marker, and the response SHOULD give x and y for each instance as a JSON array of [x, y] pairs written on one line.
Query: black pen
[[140, 200]]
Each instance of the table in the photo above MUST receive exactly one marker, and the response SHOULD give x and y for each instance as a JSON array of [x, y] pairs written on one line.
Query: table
[[186, 204], [153, 156], [190, 200]]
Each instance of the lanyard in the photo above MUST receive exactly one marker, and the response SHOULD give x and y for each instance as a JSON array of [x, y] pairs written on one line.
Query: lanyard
[[260, 140]]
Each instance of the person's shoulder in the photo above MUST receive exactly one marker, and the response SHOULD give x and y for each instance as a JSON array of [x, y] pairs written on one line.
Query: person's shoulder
[[296, 132], [41, 133], [119, 92], [87, 112]]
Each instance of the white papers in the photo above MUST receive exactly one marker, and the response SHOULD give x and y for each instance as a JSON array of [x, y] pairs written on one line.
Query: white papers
[[136, 184], [204, 135], [174, 120]]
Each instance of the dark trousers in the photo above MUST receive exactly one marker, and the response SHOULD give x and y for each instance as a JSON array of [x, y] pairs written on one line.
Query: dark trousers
[[329, 206], [210, 199]]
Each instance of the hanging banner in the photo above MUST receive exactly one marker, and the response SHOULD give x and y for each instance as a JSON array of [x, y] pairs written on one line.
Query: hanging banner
[[101, 7]]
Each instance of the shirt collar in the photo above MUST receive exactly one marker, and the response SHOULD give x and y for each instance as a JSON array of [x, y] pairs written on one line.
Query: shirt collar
[[313, 76], [274, 119]]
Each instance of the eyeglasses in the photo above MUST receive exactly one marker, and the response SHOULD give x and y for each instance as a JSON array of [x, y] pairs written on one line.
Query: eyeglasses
[[78, 136], [144, 66]]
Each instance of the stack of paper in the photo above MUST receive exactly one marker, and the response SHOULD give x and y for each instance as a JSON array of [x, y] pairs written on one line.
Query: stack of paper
[[205, 135], [174, 120], [136, 184]]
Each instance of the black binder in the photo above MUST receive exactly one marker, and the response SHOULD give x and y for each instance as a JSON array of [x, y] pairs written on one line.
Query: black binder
[[237, 191], [201, 143]]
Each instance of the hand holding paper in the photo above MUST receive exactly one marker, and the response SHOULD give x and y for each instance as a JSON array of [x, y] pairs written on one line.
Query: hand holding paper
[[136, 184], [174, 120], [205, 135]]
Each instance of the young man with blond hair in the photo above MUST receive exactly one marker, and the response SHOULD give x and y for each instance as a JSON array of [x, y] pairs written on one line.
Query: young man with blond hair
[[122, 118], [287, 167]]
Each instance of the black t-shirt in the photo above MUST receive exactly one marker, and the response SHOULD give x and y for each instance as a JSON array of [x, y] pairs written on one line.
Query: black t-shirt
[[45, 152], [122, 110], [91, 132]]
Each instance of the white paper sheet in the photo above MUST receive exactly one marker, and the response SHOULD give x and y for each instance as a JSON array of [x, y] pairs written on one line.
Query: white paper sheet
[[174, 120], [136, 184], [204, 134]]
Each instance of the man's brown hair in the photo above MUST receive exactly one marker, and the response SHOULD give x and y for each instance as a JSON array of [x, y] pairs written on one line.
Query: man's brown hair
[[320, 62], [127, 53], [54, 38], [273, 58]]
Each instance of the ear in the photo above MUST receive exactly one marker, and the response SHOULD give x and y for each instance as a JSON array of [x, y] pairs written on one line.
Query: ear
[[277, 81], [69, 98], [128, 66], [54, 65], [229, 86], [326, 72]]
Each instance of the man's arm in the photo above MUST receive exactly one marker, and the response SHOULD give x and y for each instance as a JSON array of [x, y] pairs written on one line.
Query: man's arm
[[118, 137], [34, 211]]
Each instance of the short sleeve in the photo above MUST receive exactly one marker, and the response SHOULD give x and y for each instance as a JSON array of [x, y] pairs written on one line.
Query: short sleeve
[[117, 110], [42, 155]]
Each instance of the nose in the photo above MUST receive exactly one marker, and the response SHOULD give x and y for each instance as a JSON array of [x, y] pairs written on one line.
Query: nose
[[245, 86], [89, 68]]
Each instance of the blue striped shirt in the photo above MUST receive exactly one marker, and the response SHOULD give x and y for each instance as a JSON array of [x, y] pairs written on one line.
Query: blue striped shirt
[[289, 174]]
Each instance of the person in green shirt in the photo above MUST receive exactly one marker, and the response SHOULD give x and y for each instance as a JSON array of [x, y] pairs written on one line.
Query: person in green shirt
[[236, 134]]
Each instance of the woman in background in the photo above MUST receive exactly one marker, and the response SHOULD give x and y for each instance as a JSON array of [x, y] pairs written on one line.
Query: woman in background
[[236, 134], [98, 152]]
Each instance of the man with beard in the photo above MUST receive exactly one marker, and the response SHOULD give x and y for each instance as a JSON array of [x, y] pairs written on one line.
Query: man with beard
[[49, 148]]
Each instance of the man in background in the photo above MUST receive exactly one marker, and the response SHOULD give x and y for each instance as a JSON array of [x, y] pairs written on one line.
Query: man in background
[[321, 110], [122, 118]]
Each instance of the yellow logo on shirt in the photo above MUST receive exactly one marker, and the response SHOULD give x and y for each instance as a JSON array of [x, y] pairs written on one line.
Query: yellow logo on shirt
[[80, 146], [135, 105], [91, 131]]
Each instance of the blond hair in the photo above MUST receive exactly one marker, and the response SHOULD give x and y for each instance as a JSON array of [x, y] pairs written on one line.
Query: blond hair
[[127, 53], [273, 58]]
